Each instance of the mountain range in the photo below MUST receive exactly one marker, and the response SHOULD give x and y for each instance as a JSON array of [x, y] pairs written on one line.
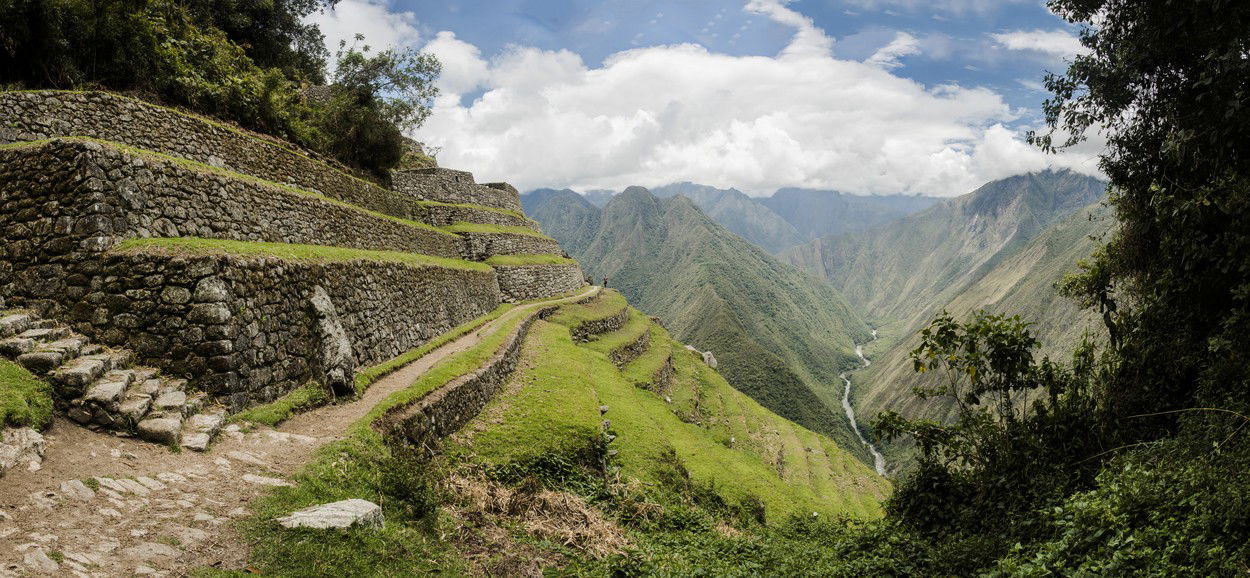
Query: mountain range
[[780, 336], [697, 256]]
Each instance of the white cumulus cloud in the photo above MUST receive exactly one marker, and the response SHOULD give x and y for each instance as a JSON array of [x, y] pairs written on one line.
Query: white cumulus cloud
[[887, 56], [660, 114], [1054, 43], [382, 28]]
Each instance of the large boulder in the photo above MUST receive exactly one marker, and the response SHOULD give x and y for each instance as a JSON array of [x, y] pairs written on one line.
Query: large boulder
[[342, 514], [338, 365]]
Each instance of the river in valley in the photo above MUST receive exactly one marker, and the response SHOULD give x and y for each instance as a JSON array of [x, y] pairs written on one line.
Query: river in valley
[[877, 458]]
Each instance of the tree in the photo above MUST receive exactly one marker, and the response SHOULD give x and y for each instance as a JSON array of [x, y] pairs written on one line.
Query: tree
[[375, 98], [1168, 84]]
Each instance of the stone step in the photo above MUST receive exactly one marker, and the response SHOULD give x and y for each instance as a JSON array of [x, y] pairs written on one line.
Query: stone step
[[201, 428], [15, 323], [161, 428], [49, 356]]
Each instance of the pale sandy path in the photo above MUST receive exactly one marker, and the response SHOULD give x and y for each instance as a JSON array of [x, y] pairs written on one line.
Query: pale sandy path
[[165, 513]]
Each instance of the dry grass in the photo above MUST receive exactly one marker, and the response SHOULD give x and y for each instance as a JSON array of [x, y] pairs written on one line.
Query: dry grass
[[557, 517]]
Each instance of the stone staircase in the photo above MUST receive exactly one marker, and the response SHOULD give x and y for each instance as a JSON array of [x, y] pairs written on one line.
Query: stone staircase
[[99, 387]]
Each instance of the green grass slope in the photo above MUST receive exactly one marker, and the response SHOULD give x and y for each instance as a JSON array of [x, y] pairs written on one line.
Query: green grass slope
[[779, 336], [1022, 284], [893, 272], [720, 437]]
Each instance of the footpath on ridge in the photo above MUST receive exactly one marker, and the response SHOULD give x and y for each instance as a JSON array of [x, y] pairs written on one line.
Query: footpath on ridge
[[107, 506]]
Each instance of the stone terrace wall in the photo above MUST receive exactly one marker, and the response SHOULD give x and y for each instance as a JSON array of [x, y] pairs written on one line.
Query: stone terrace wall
[[525, 282], [585, 330], [99, 195], [37, 115], [424, 423], [243, 328], [480, 246], [449, 186], [444, 215]]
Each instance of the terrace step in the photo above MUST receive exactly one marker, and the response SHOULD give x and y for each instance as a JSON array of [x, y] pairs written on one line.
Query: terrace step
[[98, 387]]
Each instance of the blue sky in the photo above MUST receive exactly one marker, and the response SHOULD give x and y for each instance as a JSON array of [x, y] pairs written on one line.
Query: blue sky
[[957, 34], [863, 96]]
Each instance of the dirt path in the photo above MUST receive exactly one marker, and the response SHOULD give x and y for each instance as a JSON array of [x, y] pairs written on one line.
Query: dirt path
[[161, 513]]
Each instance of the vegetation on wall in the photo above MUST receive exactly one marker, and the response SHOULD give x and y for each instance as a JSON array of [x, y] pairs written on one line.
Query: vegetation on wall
[[246, 62]]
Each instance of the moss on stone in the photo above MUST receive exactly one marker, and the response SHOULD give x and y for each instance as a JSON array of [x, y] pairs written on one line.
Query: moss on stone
[[211, 170]]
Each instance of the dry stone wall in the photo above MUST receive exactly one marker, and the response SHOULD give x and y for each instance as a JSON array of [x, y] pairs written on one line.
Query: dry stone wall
[[423, 423], [245, 329], [104, 195], [587, 329], [480, 246], [442, 215], [630, 351], [525, 282], [450, 186], [36, 115]]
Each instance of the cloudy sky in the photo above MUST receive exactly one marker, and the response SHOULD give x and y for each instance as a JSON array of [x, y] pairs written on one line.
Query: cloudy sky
[[861, 96]]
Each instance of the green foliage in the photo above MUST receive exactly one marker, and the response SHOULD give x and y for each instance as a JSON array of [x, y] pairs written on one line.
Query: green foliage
[[301, 399], [244, 61], [374, 99], [25, 400], [981, 477]]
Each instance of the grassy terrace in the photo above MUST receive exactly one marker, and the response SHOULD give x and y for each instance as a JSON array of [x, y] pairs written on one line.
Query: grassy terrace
[[291, 252], [485, 228], [509, 212], [730, 443], [521, 260], [25, 400], [637, 324], [640, 370], [362, 466], [608, 303], [211, 170]]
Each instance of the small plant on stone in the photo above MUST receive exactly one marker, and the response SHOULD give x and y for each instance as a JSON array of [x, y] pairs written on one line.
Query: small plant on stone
[[92, 483], [56, 556]]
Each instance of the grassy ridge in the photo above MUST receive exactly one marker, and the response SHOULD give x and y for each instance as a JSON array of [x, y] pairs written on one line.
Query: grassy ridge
[[290, 252], [1022, 284], [488, 228]]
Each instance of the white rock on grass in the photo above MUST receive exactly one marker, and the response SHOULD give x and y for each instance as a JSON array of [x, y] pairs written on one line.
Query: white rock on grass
[[342, 514]]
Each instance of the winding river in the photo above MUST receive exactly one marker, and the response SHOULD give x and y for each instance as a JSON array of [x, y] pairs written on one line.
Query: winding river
[[877, 458]]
